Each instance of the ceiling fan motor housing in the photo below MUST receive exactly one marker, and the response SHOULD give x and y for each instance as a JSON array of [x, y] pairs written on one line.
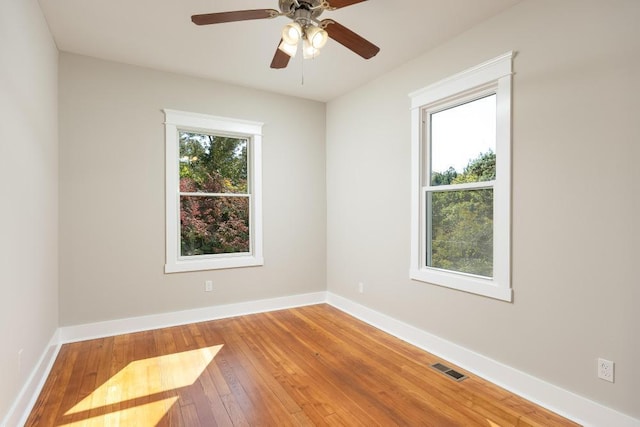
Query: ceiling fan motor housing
[[302, 10]]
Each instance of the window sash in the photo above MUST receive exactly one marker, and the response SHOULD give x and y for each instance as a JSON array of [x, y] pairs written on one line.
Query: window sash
[[205, 194], [200, 194], [201, 257], [429, 188], [247, 139], [480, 185], [427, 253]]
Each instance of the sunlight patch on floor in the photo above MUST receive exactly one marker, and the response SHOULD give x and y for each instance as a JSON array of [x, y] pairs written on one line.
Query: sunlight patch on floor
[[147, 377]]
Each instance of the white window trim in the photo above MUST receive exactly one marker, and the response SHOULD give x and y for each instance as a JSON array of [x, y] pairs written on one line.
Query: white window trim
[[493, 76], [181, 120]]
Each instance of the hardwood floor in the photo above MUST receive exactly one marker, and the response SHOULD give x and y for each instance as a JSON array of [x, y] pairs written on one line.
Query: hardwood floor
[[305, 366]]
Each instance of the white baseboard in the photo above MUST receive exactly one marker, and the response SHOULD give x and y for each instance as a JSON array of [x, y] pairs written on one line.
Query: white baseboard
[[176, 318], [556, 399], [563, 402], [22, 405]]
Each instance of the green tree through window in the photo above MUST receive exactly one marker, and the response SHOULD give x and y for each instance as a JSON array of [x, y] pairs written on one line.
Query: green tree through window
[[461, 222], [214, 195]]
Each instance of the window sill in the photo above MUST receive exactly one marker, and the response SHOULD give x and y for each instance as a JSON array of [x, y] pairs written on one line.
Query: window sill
[[183, 266], [471, 284]]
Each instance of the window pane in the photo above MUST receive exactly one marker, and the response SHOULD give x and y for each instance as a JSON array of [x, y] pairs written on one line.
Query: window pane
[[463, 143], [213, 225], [212, 164], [460, 231]]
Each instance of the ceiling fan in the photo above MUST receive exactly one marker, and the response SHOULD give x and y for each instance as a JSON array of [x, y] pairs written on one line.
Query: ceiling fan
[[304, 27]]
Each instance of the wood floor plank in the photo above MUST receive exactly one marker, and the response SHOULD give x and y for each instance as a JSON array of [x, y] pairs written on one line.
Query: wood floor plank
[[272, 412], [47, 408], [105, 362], [323, 387], [71, 396], [308, 366], [254, 368], [301, 370], [369, 378]]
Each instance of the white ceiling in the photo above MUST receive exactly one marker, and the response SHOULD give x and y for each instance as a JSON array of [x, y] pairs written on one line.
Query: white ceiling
[[159, 34]]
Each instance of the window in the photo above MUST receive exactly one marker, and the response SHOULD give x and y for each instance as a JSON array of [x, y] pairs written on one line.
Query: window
[[213, 192], [461, 174]]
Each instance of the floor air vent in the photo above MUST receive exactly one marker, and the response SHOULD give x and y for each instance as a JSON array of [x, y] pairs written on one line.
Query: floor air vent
[[455, 375]]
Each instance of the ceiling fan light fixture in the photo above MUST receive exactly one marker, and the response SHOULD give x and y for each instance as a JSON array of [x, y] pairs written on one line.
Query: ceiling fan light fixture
[[308, 51], [289, 49], [292, 33], [317, 37]]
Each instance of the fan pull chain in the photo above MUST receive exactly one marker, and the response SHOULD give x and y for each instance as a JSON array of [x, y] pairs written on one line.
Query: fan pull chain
[[302, 74]]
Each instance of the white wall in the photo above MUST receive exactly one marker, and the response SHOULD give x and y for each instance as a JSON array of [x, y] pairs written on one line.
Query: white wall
[[29, 191], [112, 249], [576, 183]]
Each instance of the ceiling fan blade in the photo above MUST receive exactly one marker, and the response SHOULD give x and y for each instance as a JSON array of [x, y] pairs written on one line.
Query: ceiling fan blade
[[337, 4], [349, 39], [238, 15], [280, 59]]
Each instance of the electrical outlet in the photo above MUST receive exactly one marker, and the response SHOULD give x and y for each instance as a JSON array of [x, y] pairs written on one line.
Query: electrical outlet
[[605, 370], [361, 287], [208, 286]]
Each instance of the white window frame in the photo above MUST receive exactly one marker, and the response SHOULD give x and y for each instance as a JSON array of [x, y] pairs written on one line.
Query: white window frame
[[176, 121], [493, 76]]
